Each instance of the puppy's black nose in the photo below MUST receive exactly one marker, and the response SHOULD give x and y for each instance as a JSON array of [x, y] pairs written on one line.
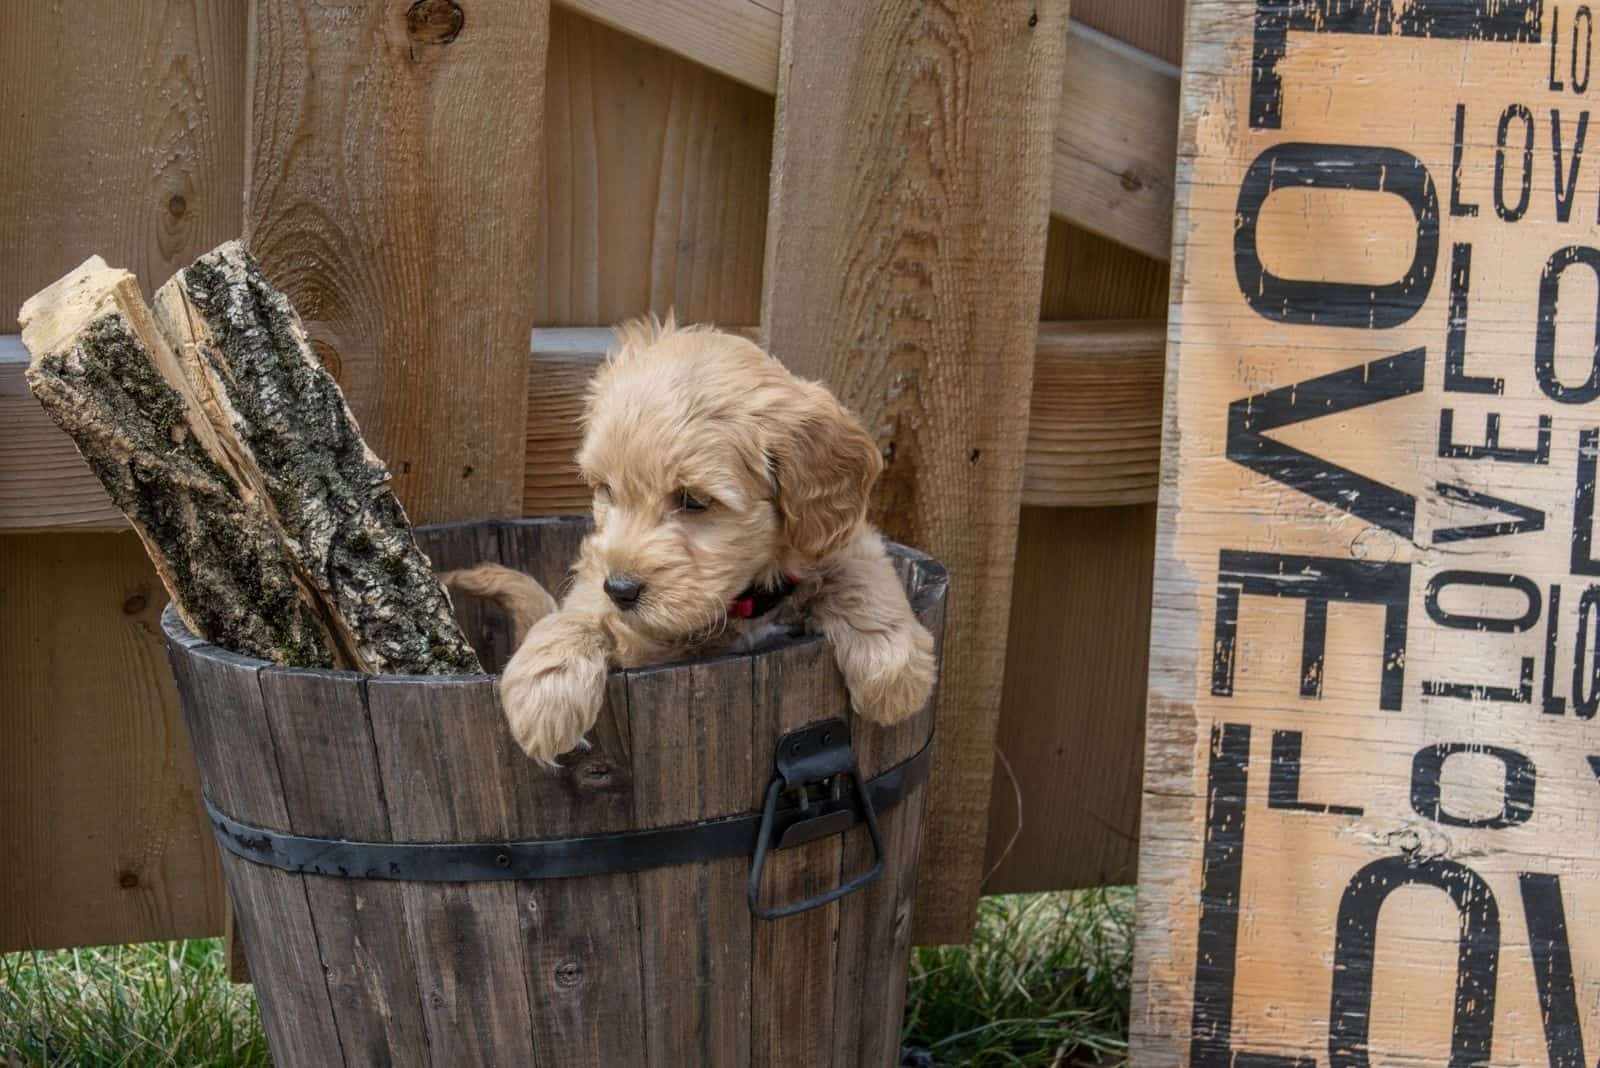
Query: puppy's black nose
[[624, 590]]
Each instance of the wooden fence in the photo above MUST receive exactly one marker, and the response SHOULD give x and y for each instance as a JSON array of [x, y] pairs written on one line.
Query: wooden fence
[[894, 194]]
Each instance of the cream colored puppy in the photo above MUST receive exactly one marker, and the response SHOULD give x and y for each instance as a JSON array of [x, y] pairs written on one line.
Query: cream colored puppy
[[730, 505]]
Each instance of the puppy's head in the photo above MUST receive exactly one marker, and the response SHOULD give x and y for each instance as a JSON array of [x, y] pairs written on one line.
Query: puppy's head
[[713, 469]]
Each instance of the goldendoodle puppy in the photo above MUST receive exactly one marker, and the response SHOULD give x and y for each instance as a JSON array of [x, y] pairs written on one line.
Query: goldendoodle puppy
[[730, 504]]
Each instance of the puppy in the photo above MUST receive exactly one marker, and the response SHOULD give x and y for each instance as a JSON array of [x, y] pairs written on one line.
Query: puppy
[[730, 504]]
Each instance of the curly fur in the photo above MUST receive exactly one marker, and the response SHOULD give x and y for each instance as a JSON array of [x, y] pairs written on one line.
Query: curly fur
[[785, 471]]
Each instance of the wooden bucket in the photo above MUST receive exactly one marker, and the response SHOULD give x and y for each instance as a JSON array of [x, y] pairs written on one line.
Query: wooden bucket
[[365, 964]]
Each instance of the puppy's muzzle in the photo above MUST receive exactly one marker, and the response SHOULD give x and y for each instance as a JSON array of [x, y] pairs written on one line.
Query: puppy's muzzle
[[624, 590]]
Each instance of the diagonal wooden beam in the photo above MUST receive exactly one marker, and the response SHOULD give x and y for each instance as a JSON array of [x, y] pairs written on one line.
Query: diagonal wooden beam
[[1116, 131]]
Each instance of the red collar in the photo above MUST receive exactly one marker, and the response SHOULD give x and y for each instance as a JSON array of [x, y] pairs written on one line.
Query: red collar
[[754, 601]]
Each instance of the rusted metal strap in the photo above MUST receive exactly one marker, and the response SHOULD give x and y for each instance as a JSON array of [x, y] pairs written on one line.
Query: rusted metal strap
[[563, 858]]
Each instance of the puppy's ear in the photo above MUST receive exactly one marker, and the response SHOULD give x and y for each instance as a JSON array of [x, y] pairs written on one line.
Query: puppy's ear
[[825, 463]]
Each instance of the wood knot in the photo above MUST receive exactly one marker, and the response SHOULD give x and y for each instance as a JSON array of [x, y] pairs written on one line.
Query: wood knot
[[128, 880], [1033, 20], [434, 22], [595, 773], [1130, 181], [569, 973], [135, 604], [177, 206]]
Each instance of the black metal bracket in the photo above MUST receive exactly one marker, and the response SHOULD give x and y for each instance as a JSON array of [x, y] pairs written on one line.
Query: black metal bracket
[[781, 824], [814, 764]]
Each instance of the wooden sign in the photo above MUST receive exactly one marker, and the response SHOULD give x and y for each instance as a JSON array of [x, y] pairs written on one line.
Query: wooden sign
[[1372, 796]]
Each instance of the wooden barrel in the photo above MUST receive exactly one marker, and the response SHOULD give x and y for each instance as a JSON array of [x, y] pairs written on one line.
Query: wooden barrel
[[665, 966]]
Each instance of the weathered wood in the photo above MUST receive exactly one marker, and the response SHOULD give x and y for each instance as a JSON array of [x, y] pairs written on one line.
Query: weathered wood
[[442, 782], [1094, 431], [793, 959], [660, 967], [904, 259], [110, 381], [1371, 619], [655, 187], [394, 171], [584, 979], [875, 925], [332, 788], [229, 731], [1153, 26], [1113, 166], [104, 840], [123, 132], [1072, 717], [1115, 133], [243, 348], [694, 924], [44, 483]]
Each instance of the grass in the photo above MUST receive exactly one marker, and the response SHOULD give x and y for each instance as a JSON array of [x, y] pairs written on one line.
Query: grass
[[1045, 982], [155, 1004]]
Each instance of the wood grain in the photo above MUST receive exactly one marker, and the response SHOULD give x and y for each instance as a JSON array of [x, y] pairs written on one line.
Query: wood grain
[[694, 926], [124, 135], [793, 958], [875, 924], [905, 251], [1153, 26], [1113, 166], [44, 483], [1115, 133], [655, 190], [1315, 881], [1094, 430], [442, 784], [392, 173], [1072, 717], [332, 788], [736, 38], [99, 805], [229, 730]]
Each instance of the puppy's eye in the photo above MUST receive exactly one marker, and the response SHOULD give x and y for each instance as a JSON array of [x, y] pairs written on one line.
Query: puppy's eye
[[689, 502]]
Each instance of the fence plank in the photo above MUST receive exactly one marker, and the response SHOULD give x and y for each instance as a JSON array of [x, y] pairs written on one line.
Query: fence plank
[[905, 255], [1072, 717], [1113, 161], [124, 135], [1115, 135], [1153, 26], [100, 820], [395, 162], [655, 190]]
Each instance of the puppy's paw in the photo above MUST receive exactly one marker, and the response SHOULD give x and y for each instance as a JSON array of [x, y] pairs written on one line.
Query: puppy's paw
[[890, 675], [553, 688]]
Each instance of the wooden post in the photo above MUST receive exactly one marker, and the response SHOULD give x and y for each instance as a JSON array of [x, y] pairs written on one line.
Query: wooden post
[[1370, 787], [393, 184], [905, 248]]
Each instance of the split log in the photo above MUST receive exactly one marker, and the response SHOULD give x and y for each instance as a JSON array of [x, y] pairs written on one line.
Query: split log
[[111, 382], [245, 350], [216, 430]]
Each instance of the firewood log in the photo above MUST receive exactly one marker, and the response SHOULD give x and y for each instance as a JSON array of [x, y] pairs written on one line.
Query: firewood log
[[243, 347], [107, 378], [231, 450]]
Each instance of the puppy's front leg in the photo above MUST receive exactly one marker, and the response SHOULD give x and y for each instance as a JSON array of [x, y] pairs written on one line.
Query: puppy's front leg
[[884, 654], [554, 685]]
